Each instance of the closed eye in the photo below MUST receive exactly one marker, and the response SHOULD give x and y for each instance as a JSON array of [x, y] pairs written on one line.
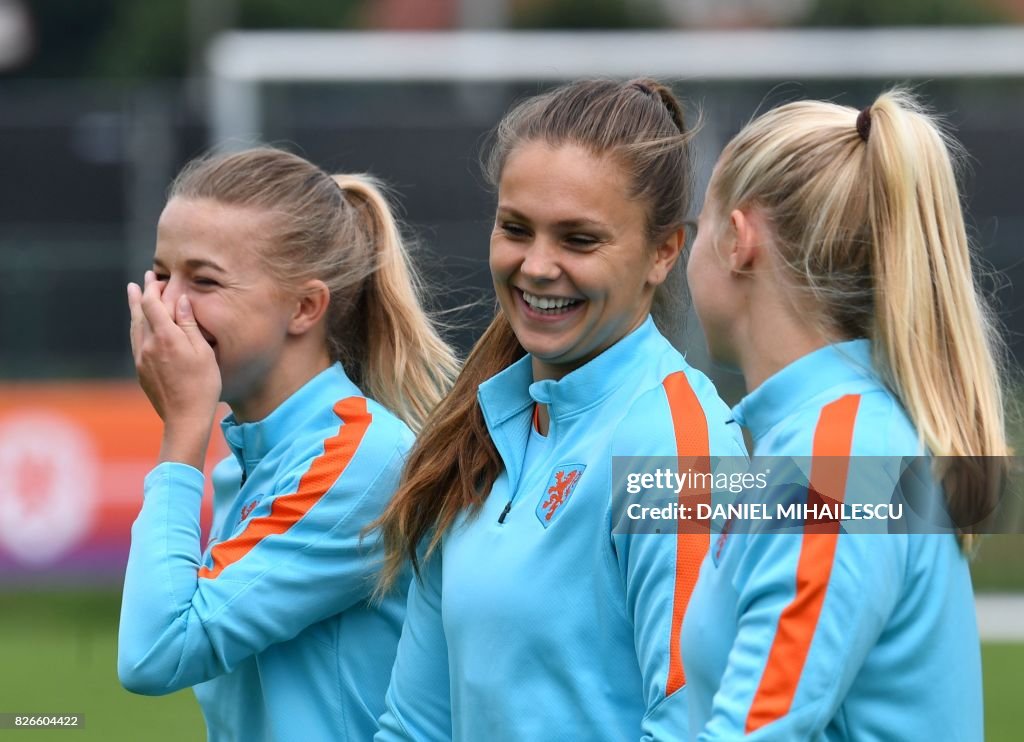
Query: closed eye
[[514, 231], [581, 241], [205, 282]]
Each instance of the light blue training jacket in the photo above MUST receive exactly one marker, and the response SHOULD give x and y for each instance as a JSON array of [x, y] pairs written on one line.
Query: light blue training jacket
[[848, 636], [271, 622], [535, 621]]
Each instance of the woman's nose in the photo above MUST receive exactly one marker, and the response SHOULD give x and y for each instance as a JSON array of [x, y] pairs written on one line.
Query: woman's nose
[[541, 261]]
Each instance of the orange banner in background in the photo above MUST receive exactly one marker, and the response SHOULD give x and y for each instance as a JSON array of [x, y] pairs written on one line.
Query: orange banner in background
[[72, 459]]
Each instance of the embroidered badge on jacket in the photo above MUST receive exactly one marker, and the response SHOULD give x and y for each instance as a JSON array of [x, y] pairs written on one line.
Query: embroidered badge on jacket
[[561, 484], [716, 551], [247, 509]]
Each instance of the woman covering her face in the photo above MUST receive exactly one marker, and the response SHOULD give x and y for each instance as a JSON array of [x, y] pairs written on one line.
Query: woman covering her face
[[286, 293]]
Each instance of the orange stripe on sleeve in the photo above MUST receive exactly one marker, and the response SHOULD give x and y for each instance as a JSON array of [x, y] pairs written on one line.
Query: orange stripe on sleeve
[[833, 439], [286, 510], [694, 451]]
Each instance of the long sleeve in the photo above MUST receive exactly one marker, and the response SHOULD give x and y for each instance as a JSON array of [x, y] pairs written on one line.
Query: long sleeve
[[660, 569], [648, 563], [805, 627], [803, 624], [418, 701], [300, 559], [808, 627]]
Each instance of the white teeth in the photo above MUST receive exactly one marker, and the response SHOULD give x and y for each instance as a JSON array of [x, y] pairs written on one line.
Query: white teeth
[[545, 302]]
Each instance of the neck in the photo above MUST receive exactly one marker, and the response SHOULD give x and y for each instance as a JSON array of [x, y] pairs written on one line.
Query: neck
[[760, 363], [287, 377], [542, 370], [773, 337]]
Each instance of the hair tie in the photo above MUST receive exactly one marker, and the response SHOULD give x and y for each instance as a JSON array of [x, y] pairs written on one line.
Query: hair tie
[[660, 99], [864, 123]]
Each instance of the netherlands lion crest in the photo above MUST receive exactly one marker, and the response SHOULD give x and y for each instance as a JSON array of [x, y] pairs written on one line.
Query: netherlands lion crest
[[560, 487]]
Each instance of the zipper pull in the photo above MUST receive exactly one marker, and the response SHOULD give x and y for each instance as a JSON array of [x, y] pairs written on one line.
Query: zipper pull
[[508, 506]]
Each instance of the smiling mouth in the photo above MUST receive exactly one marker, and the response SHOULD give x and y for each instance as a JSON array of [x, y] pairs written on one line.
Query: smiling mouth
[[548, 305]]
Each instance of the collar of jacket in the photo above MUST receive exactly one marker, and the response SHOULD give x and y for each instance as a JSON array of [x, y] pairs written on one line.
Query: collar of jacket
[[785, 391], [507, 398], [250, 442]]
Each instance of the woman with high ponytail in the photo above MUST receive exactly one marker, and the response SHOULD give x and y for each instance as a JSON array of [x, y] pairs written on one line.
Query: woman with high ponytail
[[535, 614], [833, 269], [286, 293]]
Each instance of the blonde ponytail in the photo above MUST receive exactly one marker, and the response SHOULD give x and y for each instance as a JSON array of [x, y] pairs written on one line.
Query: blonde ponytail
[[405, 364], [868, 224], [938, 340]]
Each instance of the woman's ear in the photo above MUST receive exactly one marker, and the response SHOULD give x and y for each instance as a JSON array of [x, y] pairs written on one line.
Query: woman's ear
[[665, 256], [748, 235], [310, 306]]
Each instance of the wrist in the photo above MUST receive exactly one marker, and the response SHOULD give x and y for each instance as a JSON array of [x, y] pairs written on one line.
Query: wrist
[[186, 443]]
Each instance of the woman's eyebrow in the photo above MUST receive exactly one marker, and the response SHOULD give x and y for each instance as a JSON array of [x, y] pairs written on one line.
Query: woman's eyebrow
[[193, 263], [563, 224]]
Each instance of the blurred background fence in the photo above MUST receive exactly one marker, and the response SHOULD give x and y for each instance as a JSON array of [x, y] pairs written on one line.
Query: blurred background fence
[[102, 101]]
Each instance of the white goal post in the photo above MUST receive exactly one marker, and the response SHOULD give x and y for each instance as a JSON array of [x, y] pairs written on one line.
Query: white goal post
[[239, 62]]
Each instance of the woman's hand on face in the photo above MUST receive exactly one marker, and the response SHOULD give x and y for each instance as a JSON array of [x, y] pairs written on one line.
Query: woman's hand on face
[[176, 368]]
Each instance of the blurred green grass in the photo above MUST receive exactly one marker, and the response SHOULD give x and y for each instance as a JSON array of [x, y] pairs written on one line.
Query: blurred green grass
[[998, 565], [1003, 666], [58, 654]]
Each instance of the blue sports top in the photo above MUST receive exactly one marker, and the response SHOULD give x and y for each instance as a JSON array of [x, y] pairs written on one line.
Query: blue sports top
[[535, 621], [271, 623], [832, 635]]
